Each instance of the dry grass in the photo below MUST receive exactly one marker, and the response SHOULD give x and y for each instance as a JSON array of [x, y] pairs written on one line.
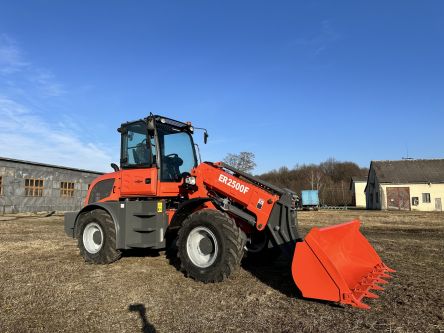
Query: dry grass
[[46, 286]]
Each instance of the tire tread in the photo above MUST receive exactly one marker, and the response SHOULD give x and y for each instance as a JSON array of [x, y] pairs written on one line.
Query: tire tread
[[108, 253], [234, 240]]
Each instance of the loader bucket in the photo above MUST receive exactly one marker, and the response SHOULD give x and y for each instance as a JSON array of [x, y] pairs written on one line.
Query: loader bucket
[[338, 264]]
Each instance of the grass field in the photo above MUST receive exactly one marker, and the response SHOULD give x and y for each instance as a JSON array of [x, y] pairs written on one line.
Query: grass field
[[46, 286]]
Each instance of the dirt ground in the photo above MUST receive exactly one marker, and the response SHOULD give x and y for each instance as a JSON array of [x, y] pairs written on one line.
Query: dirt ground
[[46, 286]]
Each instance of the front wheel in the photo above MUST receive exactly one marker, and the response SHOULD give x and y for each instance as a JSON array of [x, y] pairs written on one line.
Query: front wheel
[[96, 237], [210, 246]]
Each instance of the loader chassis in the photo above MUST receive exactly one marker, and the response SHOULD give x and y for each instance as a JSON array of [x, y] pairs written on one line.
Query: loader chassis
[[211, 214], [139, 224]]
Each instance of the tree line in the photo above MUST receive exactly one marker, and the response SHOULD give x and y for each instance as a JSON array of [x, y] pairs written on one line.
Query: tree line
[[331, 177]]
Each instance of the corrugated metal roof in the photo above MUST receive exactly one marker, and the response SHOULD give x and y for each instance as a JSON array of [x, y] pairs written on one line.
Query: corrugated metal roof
[[409, 171], [48, 165]]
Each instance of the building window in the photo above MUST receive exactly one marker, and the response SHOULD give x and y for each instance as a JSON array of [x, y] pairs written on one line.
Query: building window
[[66, 189], [415, 201], [1, 186], [426, 198], [33, 187]]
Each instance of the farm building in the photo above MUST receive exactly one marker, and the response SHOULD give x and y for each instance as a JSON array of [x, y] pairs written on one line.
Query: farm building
[[406, 185], [357, 188], [33, 187]]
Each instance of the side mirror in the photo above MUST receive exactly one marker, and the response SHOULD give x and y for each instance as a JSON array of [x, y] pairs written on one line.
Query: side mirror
[[205, 137]]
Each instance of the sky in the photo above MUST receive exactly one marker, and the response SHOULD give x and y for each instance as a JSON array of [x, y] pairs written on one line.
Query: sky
[[294, 82]]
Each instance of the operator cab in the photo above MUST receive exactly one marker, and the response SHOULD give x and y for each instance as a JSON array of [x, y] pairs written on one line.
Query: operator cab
[[158, 142]]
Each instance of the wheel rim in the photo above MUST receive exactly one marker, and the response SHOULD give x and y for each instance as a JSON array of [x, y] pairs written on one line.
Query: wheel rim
[[202, 247], [93, 238]]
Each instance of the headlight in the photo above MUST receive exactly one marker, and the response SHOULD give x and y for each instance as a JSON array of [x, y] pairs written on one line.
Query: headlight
[[190, 180]]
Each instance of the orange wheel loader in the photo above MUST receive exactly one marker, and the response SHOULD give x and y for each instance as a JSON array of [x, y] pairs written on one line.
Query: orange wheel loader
[[214, 214]]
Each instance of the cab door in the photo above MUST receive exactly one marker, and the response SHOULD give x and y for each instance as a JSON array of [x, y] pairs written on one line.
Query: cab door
[[138, 170]]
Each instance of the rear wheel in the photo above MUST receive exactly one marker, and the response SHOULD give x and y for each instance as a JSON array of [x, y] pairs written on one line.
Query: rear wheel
[[96, 237], [210, 246]]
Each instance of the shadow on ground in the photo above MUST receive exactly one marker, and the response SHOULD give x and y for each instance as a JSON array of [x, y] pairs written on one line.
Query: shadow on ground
[[147, 327], [278, 276]]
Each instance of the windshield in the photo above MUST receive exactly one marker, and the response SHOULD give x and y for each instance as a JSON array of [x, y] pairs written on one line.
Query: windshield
[[177, 153]]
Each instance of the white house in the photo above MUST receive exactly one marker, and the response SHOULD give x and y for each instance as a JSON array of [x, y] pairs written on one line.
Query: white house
[[406, 185], [357, 188]]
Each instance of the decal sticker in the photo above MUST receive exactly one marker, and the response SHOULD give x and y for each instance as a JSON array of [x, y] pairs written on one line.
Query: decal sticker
[[233, 184], [159, 207], [260, 203]]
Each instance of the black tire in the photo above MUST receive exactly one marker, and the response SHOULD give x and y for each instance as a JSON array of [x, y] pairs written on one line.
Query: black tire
[[171, 248], [259, 253], [107, 252], [230, 242]]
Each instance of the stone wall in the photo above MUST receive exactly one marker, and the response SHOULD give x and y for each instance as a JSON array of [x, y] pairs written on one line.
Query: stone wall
[[13, 198]]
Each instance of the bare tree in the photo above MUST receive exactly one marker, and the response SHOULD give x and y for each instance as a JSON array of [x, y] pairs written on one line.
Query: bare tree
[[244, 161]]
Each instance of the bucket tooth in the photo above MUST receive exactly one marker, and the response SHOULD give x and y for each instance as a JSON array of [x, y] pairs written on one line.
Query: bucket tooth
[[376, 287], [368, 294], [388, 269], [362, 290], [385, 276], [384, 268], [352, 300], [371, 286], [381, 281], [361, 305], [379, 277]]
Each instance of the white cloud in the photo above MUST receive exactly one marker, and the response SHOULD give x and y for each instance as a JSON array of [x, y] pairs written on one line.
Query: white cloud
[[14, 68], [11, 59], [320, 41], [26, 91], [46, 83], [25, 135]]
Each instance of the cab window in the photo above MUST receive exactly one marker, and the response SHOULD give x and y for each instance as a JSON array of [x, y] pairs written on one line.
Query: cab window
[[136, 150], [177, 152]]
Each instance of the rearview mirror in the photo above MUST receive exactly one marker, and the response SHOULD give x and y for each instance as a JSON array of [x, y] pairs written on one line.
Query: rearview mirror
[[205, 137]]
